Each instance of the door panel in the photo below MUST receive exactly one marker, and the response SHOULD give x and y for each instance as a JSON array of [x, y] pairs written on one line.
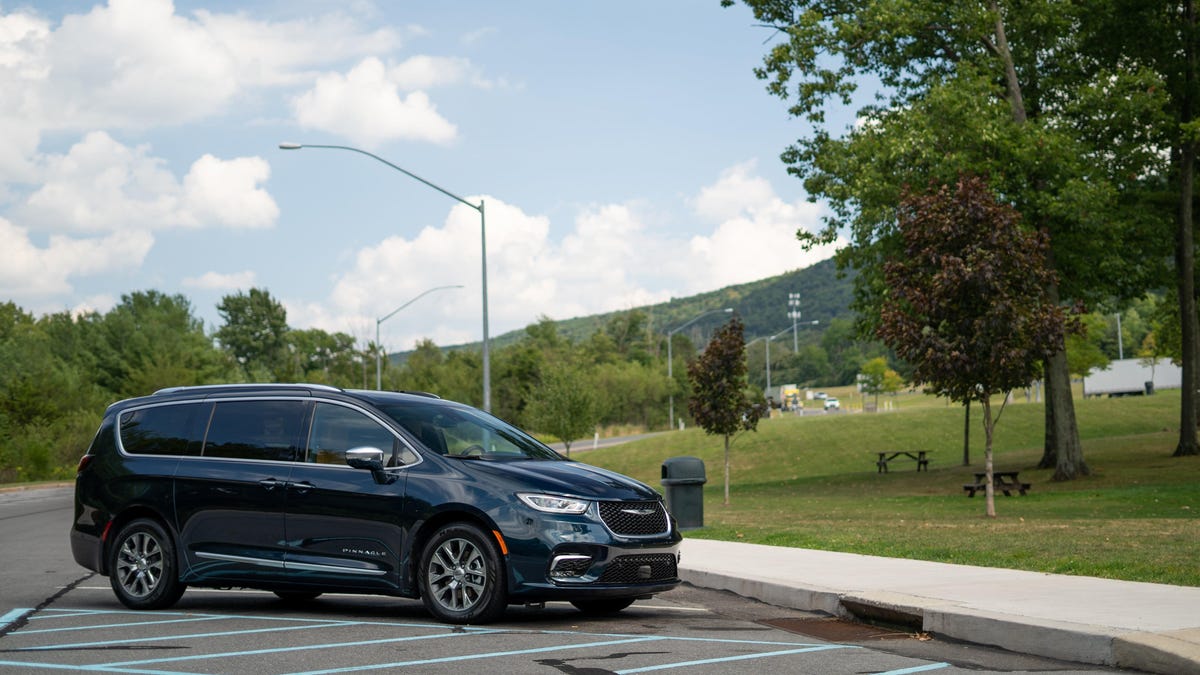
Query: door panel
[[230, 502], [342, 526]]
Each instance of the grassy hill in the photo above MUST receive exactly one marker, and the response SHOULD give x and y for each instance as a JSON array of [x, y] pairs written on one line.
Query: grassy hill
[[762, 305], [812, 482]]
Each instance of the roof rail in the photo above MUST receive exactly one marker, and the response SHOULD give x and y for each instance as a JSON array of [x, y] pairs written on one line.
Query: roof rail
[[263, 385]]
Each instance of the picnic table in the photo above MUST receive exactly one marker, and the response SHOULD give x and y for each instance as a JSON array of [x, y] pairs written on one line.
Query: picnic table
[[1002, 481], [920, 456]]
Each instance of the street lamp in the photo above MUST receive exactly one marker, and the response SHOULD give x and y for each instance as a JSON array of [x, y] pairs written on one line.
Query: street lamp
[[378, 345], [670, 374], [487, 369], [768, 345]]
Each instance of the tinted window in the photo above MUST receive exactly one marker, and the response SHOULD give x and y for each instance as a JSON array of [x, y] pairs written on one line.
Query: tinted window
[[336, 429], [255, 430], [465, 432], [162, 430]]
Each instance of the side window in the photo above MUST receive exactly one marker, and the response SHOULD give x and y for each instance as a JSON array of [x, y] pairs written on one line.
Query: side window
[[163, 429], [336, 429], [268, 430]]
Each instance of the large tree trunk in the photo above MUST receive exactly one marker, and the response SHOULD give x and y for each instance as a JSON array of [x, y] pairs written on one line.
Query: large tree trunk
[[1069, 462], [1050, 437], [1185, 255], [1062, 433]]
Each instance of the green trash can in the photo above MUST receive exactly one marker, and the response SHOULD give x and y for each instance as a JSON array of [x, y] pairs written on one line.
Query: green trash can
[[683, 481]]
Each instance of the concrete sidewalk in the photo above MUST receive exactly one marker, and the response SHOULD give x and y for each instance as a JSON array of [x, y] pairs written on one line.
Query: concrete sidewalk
[[1148, 627]]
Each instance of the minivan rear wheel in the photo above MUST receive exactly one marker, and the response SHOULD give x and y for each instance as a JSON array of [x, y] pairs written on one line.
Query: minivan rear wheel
[[462, 580], [142, 567]]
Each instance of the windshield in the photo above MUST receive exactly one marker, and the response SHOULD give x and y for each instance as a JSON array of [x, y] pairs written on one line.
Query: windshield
[[465, 432]]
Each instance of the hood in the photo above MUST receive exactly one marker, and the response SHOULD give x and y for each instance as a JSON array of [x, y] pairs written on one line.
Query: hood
[[565, 478]]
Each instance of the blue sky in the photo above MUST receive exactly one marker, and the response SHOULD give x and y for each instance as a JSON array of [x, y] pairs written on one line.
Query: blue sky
[[625, 152]]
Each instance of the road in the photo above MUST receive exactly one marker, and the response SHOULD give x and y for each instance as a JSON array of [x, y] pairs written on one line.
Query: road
[[57, 616]]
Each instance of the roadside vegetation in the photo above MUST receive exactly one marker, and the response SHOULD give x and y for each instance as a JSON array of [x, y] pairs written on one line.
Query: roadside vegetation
[[812, 482]]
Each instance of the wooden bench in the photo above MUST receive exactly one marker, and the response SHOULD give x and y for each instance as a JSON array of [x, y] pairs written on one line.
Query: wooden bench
[[1002, 481], [920, 456]]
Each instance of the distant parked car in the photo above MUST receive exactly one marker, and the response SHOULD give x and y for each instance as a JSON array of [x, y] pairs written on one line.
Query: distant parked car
[[820, 396], [832, 404], [308, 489]]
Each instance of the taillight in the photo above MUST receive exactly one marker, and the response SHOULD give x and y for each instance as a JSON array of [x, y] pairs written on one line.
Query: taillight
[[83, 462]]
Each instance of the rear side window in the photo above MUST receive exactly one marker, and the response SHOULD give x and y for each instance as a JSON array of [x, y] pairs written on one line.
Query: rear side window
[[336, 429], [267, 430], [164, 429]]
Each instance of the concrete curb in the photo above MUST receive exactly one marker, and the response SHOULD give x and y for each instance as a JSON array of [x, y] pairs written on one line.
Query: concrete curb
[[1168, 654]]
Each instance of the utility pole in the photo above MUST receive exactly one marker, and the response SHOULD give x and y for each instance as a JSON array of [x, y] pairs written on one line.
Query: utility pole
[[794, 315]]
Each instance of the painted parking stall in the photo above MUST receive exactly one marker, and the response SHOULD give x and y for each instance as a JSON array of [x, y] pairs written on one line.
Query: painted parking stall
[[125, 641]]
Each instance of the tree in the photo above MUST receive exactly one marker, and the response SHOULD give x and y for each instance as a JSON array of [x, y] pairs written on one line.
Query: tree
[[255, 332], [564, 404], [969, 306], [152, 340], [1064, 140], [877, 378], [720, 402], [1167, 42]]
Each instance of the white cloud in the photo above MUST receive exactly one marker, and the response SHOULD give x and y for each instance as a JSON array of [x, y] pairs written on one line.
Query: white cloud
[[755, 236], [366, 106], [102, 185], [611, 259], [137, 64], [227, 192], [29, 273], [216, 281]]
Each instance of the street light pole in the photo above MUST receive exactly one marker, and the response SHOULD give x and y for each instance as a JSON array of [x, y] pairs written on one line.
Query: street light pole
[[487, 369], [794, 315], [378, 344], [670, 360]]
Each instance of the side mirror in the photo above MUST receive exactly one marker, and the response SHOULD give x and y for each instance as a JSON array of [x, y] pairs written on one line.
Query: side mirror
[[370, 459]]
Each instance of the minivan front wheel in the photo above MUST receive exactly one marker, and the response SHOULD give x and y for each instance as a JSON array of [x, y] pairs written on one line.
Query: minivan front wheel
[[462, 580], [142, 566]]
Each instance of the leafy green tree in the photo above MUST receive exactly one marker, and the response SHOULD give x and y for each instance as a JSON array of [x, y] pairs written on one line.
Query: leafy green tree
[[255, 333], [1084, 353], [1164, 37], [1001, 89], [323, 358], [630, 393], [564, 404], [969, 307], [153, 340], [721, 403], [877, 378]]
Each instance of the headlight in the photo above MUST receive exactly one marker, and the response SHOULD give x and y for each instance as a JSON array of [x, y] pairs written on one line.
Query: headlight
[[553, 504]]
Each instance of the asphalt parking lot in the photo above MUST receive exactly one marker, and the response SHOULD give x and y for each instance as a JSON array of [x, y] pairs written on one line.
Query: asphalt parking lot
[[57, 617]]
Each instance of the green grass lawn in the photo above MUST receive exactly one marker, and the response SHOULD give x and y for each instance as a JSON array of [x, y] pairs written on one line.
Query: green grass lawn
[[812, 482]]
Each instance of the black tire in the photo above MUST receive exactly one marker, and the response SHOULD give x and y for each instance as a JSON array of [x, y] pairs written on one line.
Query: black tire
[[297, 597], [142, 566], [603, 605], [462, 578]]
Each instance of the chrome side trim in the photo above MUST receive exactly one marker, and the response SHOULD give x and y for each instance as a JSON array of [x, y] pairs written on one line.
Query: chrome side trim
[[281, 564]]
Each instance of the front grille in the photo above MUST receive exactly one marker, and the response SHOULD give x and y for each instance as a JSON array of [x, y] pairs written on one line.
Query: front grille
[[640, 569], [634, 518]]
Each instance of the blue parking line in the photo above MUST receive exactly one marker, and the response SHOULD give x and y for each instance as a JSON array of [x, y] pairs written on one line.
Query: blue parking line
[[104, 643], [726, 659], [120, 625], [278, 650], [471, 657], [12, 617]]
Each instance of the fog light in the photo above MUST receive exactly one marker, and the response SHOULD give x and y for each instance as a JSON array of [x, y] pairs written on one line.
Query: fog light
[[569, 566]]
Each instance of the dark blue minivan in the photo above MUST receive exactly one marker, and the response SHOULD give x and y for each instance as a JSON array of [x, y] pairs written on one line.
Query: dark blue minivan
[[304, 489]]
